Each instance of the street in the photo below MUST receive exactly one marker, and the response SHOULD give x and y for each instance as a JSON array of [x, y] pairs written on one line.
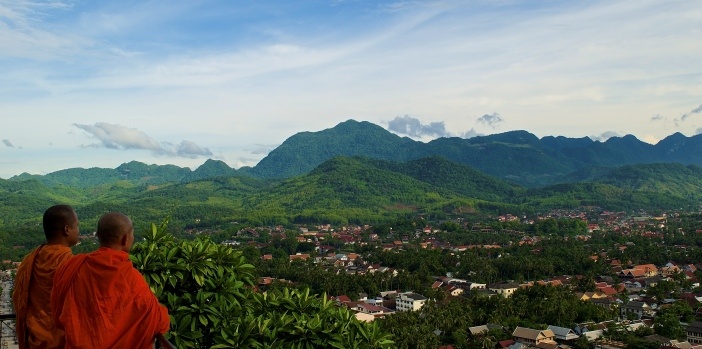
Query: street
[[8, 339]]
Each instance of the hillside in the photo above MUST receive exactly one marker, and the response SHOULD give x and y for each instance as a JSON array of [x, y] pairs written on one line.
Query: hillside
[[352, 189], [304, 151], [339, 191], [355, 189], [517, 156], [133, 172]]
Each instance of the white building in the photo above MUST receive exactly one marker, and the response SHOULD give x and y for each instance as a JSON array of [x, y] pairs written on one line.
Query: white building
[[409, 301]]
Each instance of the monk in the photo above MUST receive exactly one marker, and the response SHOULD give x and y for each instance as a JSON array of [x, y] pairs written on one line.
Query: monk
[[35, 277], [101, 301]]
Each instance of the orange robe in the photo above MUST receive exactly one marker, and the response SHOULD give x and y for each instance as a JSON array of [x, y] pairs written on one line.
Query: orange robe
[[101, 301], [35, 277]]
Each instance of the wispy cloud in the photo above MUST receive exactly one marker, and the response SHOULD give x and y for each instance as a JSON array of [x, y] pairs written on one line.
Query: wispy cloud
[[119, 137], [8, 143], [605, 136], [658, 117], [24, 36], [493, 120], [263, 149], [412, 127], [471, 133], [191, 150], [691, 112]]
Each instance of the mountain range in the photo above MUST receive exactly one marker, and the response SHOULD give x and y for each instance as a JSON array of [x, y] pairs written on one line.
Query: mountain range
[[359, 172], [516, 156]]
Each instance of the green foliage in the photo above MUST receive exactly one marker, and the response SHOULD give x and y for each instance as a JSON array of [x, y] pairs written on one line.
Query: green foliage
[[201, 283], [207, 288], [295, 319]]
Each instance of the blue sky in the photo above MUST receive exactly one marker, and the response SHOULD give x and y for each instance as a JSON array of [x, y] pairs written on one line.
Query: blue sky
[[96, 84]]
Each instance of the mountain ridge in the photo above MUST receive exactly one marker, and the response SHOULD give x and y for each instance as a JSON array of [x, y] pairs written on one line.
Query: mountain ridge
[[517, 156]]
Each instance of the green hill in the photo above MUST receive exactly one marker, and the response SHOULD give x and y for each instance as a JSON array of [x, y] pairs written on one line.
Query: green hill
[[304, 151], [517, 156], [452, 176], [351, 189]]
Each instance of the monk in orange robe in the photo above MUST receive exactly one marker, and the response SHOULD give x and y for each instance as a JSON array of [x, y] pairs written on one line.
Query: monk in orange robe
[[35, 277], [101, 301]]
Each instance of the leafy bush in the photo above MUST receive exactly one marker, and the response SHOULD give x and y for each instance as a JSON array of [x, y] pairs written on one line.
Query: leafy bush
[[208, 290]]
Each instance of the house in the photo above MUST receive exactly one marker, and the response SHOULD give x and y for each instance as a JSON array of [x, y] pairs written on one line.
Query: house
[[505, 343], [533, 337], [694, 332], [364, 317], [680, 345], [483, 329], [637, 309], [474, 285], [342, 299], [452, 290], [410, 301], [367, 308], [299, 256], [593, 335], [632, 273], [504, 289], [562, 333], [648, 269], [670, 270], [483, 292], [603, 302]]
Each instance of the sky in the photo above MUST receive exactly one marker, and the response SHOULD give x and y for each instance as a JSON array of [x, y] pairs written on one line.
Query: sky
[[99, 83]]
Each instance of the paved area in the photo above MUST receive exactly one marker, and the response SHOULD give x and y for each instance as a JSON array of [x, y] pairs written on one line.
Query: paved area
[[8, 339]]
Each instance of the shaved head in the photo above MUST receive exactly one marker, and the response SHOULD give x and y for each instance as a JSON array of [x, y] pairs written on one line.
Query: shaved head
[[112, 227], [56, 218]]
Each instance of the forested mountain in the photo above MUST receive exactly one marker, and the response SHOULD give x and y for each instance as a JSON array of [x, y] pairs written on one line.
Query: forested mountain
[[134, 172], [344, 189], [518, 156], [358, 171], [340, 190], [302, 152]]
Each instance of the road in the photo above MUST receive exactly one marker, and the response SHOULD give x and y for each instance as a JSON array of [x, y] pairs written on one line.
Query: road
[[8, 340]]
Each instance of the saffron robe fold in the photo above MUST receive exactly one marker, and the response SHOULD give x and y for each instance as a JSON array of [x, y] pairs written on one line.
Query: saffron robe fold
[[31, 298], [101, 301]]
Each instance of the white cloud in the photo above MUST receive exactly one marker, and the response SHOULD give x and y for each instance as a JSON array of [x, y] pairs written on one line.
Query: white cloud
[[263, 149], [471, 133], [605, 136], [493, 120], [412, 127], [691, 112], [191, 150], [119, 137]]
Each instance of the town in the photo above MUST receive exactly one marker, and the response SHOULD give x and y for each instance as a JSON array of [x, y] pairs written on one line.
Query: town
[[639, 268], [567, 278]]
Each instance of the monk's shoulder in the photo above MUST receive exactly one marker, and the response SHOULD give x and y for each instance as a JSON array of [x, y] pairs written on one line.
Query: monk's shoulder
[[56, 255], [136, 279], [70, 265], [27, 261]]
